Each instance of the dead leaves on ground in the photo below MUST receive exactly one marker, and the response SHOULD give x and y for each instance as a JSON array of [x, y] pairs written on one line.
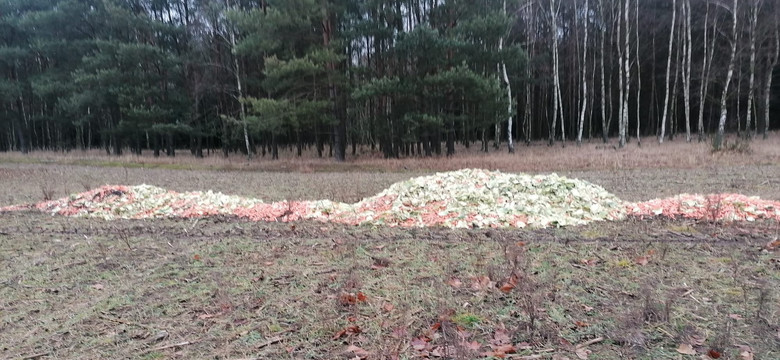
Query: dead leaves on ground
[[484, 283], [686, 349], [358, 352], [347, 332], [348, 299]]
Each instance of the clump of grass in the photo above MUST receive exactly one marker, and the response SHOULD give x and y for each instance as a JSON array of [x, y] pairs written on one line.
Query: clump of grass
[[47, 191], [467, 320], [739, 146]]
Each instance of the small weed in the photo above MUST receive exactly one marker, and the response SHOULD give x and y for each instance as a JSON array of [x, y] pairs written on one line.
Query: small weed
[[623, 263], [47, 191], [467, 320]]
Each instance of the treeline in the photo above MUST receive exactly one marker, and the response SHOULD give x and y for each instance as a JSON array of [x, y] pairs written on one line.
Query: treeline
[[406, 77]]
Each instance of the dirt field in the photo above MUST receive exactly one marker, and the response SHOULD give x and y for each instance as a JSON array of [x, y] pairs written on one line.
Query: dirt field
[[228, 289]]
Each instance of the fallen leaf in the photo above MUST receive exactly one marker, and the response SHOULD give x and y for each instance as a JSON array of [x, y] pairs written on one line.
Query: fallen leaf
[[420, 344], [520, 243], [773, 244], [686, 349], [589, 262], [454, 282], [481, 283], [506, 288], [160, 336], [380, 263], [439, 352], [697, 340], [714, 354], [196, 257], [642, 260], [208, 316], [349, 330], [473, 345], [500, 337], [735, 316], [462, 333], [351, 319], [581, 324], [340, 334], [436, 326], [509, 285], [505, 349], [347, 299], [582, 353], [357, 351], [361, 297], [399, 333]]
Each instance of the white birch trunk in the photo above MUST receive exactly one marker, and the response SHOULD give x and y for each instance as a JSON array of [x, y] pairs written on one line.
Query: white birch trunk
[[556, 79], [668, 73], [530, 29], [638, 78], [626, 13], [581, 122], [768, 89], [687, 70], [621, 84], [239, 90], [505, 76], [703, 85], [751, 83], [730, 73], [604, 126]]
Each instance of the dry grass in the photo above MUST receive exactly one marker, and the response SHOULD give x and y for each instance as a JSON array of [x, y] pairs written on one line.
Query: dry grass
[[537, 157], [71, 289], [22, 183], [221, 288]]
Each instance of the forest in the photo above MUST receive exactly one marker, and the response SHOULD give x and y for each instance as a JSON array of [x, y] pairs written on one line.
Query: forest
[[406, 78]]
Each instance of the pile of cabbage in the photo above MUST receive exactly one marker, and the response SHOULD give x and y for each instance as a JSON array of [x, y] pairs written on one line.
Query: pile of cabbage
[[469, 198]]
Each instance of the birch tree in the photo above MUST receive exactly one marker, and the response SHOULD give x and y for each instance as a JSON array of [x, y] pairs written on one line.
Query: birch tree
[[687, 66], [625, 73], [708, 52], [773, 63], [668, 73], [638, 79], [584, 106], [729, 75], [239, 88], [604, 125], [510, 99], [554, 9], [754, 7]]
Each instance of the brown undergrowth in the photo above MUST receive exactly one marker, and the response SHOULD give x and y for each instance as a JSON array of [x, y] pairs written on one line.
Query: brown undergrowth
[[77, 288]]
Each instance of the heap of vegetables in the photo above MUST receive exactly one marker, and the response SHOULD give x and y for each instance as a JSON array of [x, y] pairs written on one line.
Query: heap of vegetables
[[469, 198]]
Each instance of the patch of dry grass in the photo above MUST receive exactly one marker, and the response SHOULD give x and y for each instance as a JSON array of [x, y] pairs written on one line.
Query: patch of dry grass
[[534, 158], [73, 289]]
